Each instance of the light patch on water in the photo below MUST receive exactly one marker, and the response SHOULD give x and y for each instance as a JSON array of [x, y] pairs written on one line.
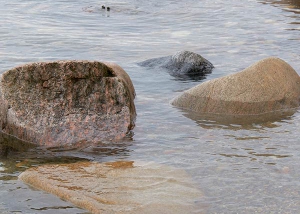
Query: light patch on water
[[270, 21], [234, 51], [230, 24], [2, 168], [180, 34]]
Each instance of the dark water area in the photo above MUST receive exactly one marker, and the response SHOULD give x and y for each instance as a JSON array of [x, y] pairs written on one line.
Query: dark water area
[[239, 167]]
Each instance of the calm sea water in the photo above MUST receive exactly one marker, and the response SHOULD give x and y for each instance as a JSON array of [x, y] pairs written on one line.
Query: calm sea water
[[250, 168]]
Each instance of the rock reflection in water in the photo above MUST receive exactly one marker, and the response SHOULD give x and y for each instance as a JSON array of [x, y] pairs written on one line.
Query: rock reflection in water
[[28, 200], [210, 121], [289, 5], [10, 143], [118, 187], [251, 154]]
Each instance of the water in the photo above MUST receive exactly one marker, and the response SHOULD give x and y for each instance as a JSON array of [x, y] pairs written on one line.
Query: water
[[239, 168]]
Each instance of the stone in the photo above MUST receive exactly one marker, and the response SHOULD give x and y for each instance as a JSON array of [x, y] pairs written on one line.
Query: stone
[[183, 65], [10, 143], [67, 103], [269, 85], [118, 187]]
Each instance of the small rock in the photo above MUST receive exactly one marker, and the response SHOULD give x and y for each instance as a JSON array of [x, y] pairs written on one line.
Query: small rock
[[183, 65]]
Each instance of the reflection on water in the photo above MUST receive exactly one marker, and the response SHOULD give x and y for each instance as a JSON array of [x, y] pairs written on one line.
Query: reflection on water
[[17, 156], [16, 197], [288, 5], [293, 4], [236, 122], [10, 143], [255, 154]]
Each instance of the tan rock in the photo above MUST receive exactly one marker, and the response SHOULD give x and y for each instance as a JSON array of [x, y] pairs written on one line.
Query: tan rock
[[118, 187], [67, 103], [267, 86]]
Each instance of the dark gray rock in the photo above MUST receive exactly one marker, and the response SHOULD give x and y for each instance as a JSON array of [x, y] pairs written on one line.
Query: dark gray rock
[[183, 65]]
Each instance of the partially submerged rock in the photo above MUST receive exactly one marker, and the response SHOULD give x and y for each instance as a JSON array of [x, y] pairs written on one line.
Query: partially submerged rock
[[184, 65], [267, 86], [67, 103], [118, 187]]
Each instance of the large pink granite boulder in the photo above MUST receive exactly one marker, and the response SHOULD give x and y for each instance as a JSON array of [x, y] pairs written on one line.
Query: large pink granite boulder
[[67, 103], [269, 85]]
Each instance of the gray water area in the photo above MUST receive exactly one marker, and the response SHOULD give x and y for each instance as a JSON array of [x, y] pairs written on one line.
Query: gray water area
[[240, 168]]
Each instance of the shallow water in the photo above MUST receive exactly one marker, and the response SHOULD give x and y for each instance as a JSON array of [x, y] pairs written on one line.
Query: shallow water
[[240, 168]]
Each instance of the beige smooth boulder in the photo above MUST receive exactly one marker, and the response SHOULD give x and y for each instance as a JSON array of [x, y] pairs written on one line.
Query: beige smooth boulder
[[118, 187], [67, 103], [267, 86]]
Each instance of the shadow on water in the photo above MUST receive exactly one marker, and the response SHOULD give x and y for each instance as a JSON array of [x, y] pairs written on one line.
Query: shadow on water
[[181, 77], [9, 143], [236, 122], [188, 77], [17, 155]]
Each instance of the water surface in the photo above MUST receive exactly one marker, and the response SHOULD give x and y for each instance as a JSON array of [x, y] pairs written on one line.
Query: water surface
[[240, 168]]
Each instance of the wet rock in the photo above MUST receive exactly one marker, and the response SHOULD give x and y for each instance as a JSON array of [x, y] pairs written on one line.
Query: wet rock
[[67, 103], [269, 85], [183, 65], [118, 187], [10, 143]]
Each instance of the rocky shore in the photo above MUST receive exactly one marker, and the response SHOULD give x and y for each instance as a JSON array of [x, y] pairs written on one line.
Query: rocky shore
[[74, 104]]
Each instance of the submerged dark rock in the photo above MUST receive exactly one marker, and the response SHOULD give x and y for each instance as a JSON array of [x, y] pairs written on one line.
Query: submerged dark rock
[[183, 65]]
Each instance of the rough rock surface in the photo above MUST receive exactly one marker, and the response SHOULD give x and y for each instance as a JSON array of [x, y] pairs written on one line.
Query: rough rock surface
[[118, 187], [67, 103], [267, 86], [184, 64]]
